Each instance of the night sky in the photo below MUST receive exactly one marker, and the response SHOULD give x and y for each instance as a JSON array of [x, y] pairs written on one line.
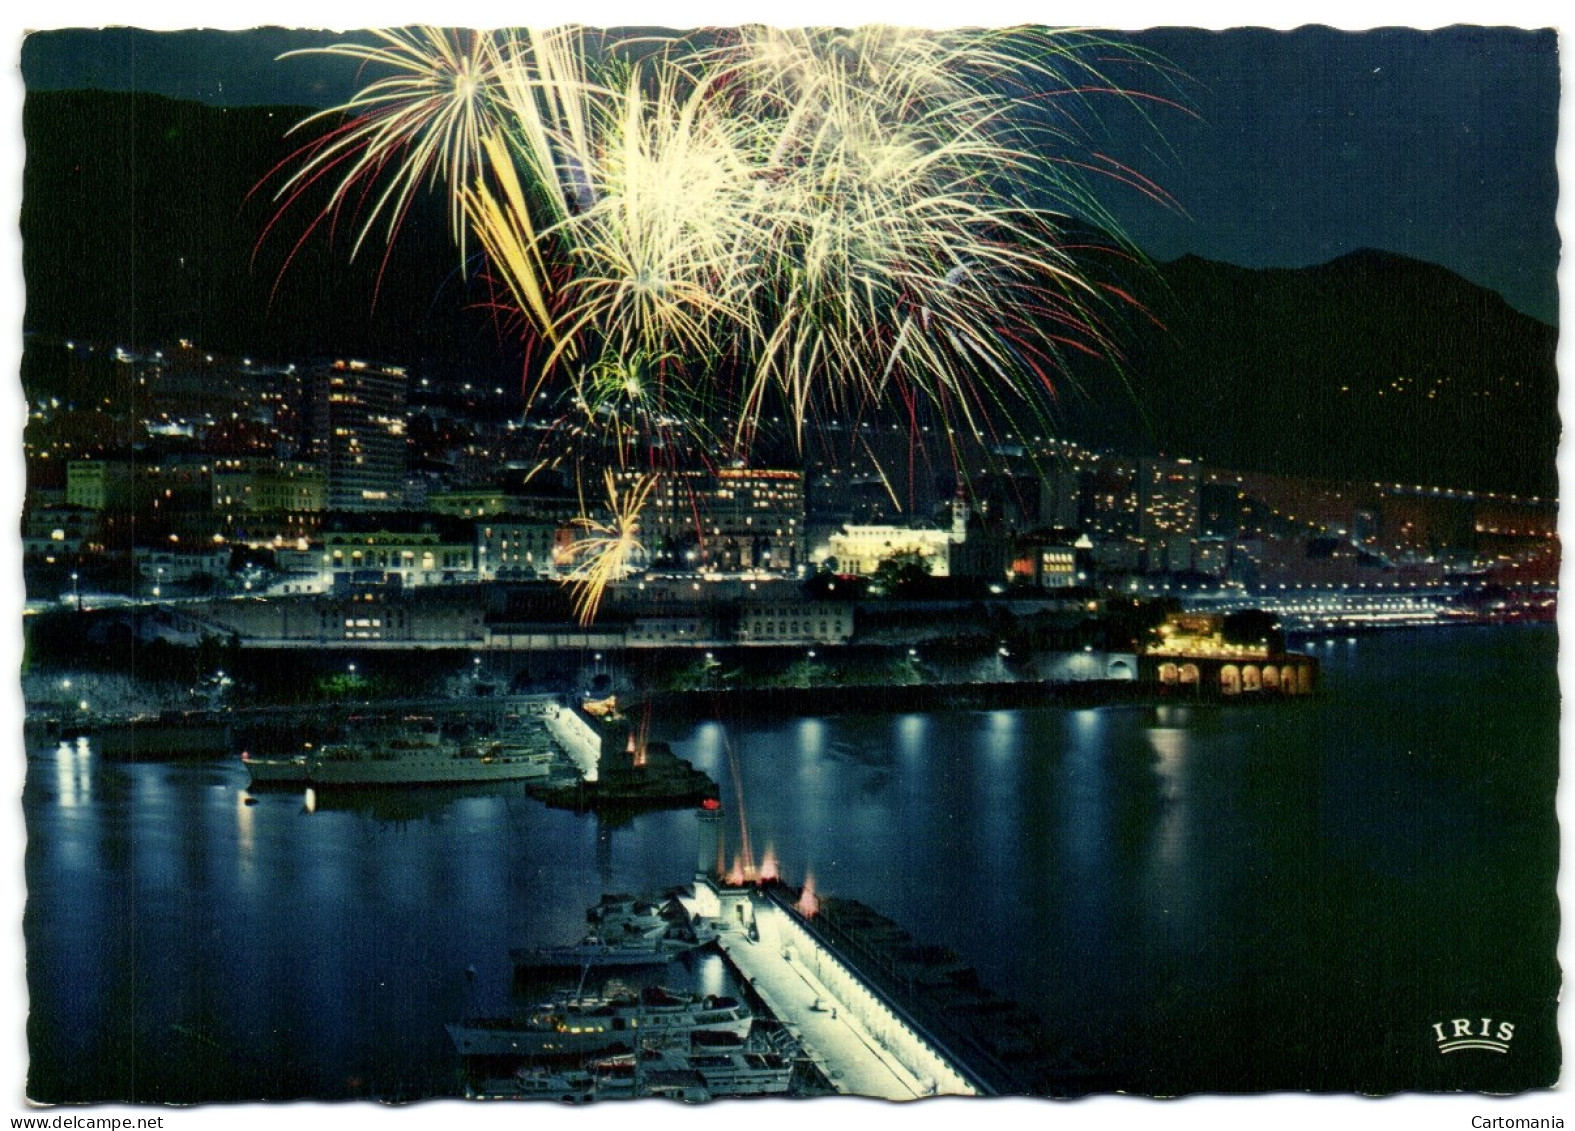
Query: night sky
[[1305, 144]]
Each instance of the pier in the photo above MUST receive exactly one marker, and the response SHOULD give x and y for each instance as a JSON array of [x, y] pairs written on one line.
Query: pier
[[856, 1042], [841, 1011]]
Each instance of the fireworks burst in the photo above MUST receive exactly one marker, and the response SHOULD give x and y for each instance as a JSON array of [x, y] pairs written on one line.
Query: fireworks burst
[[608, 551], [718, 228], [424, 123]]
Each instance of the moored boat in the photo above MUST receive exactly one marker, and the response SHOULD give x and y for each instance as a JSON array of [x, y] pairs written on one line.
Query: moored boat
[[625, 932], [405, 762], [565, 1086], [748, 1069], [275, 771], [728, 1067], [582, 1025], [414, 753]]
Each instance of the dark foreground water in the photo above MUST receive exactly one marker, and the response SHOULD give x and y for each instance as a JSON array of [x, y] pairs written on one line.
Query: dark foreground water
[[1195, 898]]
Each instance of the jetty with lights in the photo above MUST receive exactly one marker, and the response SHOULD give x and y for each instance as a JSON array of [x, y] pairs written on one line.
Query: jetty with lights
[[878, 1012], [622, 769]]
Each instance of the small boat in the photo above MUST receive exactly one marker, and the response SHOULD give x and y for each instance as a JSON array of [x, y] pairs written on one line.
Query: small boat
[[625, 932], [750, 1068], [588, 1025], [537, 1084], [723, 1066]]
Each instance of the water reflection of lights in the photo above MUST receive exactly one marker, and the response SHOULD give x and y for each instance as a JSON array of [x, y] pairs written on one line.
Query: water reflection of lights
[[1002, 738], [811, 742], [245, 834], [1085, 805], [73, 783], [1171, 746], [1169, 743], [1088, 722], [309, 801], [912, 732], [706, 747]]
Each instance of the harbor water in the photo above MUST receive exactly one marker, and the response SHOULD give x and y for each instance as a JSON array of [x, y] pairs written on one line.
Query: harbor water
[[1194, 897]]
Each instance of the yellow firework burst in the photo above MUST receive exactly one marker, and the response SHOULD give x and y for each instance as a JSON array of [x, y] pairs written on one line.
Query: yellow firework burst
[[704, 229], [607, 550], [917, 219], [423, 123]]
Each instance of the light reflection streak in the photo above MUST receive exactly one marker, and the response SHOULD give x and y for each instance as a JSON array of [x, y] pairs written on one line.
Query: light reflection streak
[[245, 838], [810, 738], [1001, 738], [710, 977], [912, 732], [73, 782], [1085, 811], [1171, 746]]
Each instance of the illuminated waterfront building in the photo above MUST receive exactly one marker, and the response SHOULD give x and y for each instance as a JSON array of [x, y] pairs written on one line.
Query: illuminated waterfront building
[[518, 550], [428, 556]]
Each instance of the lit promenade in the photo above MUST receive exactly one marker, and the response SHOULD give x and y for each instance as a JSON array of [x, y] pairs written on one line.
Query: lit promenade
[[840, 1047]]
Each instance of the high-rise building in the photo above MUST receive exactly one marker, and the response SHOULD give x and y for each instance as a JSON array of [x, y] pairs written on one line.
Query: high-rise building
[[359, 436], [1169, 501], [1108, 504]]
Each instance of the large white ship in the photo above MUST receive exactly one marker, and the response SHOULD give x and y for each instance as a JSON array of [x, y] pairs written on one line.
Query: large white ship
[[275, 771], [408, 755], [587, 1025], [396, 762]]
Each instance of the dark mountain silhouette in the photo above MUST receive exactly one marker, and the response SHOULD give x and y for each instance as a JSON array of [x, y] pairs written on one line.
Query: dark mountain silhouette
[[137, 228], [1373, 366]]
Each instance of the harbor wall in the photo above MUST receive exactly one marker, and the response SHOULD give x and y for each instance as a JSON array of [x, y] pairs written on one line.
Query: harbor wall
[[879, 1017]]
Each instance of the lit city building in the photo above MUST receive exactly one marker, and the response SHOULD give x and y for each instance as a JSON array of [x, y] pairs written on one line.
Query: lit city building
[[100, 484], [420, 557], [359, 436], [728, 521], [514, 550], [1168, 519], [263, 485]]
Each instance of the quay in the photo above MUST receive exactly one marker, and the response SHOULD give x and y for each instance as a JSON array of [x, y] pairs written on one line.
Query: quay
[[830, 1028], [877, 1012]]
